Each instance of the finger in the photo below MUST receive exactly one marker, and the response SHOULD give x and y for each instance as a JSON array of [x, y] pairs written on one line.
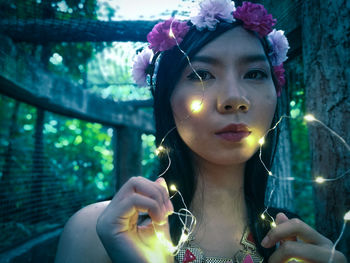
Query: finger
[[144, 187], [160, 232], [134, 204], [294, 228], [163, 189], [169, 204], [162, 182], [281, 218], [291, 250], [162, 196]]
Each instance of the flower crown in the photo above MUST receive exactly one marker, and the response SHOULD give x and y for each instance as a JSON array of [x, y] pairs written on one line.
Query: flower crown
[[165, 35]]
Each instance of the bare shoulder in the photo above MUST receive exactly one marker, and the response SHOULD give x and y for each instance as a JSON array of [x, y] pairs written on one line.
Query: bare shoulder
[[79, 241]]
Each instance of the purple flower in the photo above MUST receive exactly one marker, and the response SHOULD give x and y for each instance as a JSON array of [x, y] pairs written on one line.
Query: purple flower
[[209, 12], [279, 73], [280, 47], [255, 18], [141, 62], [159, 37]]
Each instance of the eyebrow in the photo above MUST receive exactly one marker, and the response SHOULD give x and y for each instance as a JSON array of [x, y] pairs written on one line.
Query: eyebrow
[[206, 59], [245, 59], [253, 58]]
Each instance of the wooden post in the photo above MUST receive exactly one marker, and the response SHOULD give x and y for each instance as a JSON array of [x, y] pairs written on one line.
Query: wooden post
[[326, 56], [128, 154], [6, 187], [38, 169]]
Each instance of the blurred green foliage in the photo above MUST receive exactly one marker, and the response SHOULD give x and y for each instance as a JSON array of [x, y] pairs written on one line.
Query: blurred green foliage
[[81, 153], [149, 159], [109, 73], [301, 170]]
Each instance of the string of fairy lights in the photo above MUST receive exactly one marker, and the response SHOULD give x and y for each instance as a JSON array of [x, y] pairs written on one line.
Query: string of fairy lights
[[319, 179], [188, 220]]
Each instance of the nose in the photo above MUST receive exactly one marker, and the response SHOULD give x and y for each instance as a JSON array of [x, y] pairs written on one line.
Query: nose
[[233, 100]]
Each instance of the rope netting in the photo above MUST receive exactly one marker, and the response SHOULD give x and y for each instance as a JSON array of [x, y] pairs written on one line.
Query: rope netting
[[67, 21], [49, 168]]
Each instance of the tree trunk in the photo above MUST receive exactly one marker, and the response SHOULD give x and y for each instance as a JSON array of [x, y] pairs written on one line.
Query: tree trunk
[[283, 193], [326, 27]]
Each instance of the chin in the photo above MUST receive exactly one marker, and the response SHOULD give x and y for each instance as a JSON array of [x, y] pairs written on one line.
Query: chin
[[225, 159]]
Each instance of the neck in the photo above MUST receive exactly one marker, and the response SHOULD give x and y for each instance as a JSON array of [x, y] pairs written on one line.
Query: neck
[[220, 194]]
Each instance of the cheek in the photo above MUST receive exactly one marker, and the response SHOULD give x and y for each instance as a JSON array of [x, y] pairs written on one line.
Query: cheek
[[189, 111], [179, 106], [271, 102], [187, 104], [265, 110]]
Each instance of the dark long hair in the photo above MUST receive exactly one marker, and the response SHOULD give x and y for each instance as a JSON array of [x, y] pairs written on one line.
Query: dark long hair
[[182, 172]]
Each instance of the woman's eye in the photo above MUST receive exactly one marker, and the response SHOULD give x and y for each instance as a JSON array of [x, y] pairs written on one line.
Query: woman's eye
[[255, 74], [204, 75]]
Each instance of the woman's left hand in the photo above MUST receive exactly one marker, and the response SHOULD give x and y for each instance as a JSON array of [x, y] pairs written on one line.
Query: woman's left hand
[[299, 242]]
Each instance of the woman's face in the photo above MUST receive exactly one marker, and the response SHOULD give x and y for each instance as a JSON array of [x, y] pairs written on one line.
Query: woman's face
[[238, 99]]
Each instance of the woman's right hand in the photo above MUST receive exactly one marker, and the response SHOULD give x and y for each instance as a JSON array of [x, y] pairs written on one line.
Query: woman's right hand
[[126, 241]]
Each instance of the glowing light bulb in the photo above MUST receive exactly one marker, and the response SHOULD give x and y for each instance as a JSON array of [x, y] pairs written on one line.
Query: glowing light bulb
[[159, 150], [173, 188], [171, 248], [184, 237], [159, 235], [196, 106], [262, 141], [309, 117], [270, 173], [273, 224], [319, 180], [171, 33], [262, 216], [347, 216]]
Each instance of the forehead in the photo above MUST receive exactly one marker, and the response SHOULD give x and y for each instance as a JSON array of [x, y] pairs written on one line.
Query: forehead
[[235, 42]]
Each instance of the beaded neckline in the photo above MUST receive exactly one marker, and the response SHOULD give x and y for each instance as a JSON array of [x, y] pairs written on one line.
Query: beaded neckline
[[248, 254]]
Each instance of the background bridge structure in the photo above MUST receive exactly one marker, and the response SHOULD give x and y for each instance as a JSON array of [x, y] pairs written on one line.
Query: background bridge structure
[[55, 125]]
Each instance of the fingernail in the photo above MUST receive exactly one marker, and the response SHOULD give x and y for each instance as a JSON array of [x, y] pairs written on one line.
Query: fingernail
[[162, 182], [165, 210], [159, 179], [170, 208], [265, 241]]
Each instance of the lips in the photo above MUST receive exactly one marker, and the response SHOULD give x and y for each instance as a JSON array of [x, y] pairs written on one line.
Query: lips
[[234, 132]]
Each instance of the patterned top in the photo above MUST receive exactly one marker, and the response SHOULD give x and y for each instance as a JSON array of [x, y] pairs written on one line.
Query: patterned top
[[192, 253]]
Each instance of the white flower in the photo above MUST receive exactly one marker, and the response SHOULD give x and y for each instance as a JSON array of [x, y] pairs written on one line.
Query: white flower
[[141, 62], [210, 12], [280, 47]]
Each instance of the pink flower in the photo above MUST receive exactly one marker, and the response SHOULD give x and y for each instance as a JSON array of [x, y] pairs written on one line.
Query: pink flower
[[159, 37], [280, 47], [279, 73], [209, 12], [141, 62], [255, 18]]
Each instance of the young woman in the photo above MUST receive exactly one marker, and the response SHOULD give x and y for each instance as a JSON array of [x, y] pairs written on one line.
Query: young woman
[[234, 76]]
